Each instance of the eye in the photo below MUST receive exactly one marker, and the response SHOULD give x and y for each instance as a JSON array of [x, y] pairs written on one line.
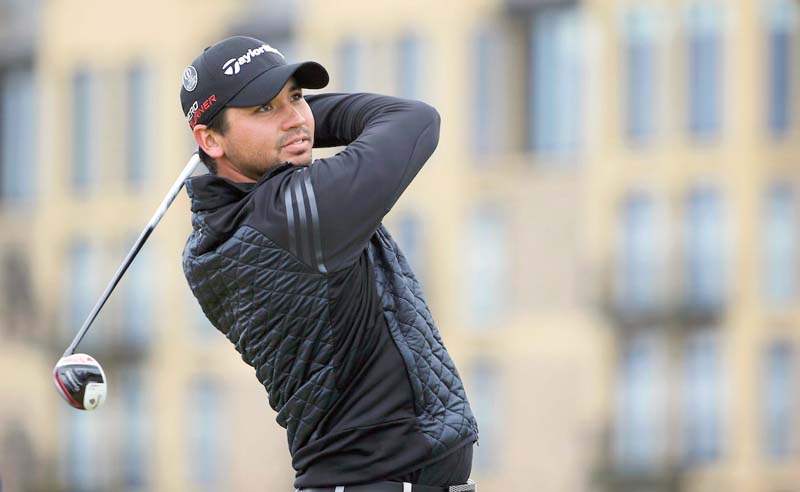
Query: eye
[[297, 96], [265, 108]]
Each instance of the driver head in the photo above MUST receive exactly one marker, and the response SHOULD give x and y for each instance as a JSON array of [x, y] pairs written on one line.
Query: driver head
[[81, 381]]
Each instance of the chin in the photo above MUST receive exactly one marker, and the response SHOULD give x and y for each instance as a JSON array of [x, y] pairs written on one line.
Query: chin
[[299, 160]]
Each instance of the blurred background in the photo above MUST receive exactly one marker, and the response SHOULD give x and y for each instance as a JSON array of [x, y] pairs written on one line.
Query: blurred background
[[608, 236]]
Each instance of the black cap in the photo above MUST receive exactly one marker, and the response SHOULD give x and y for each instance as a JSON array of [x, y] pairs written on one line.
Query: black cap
[[239, 72]]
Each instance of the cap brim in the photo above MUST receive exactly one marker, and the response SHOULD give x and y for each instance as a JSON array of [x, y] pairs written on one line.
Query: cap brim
[[309, 75]]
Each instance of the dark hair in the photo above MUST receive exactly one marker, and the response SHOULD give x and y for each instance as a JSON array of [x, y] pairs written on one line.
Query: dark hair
[[219, 123]]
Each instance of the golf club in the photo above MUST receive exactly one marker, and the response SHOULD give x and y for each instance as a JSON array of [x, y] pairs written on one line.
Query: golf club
[[79, 378]]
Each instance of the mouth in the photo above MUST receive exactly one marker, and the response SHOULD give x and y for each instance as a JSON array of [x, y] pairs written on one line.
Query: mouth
[[300, 143]]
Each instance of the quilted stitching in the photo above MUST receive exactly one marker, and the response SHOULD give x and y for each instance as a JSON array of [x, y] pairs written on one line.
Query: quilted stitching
[[444, 413], [293, 353], [275, 311]]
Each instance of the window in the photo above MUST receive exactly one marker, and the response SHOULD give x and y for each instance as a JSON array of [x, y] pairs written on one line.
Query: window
[[206, 436], [487, 268], [486, 405], [490, 98], [640, 416], [18, 154], [82, 461], [780, 395], [140, 125], [17, 304], [702, 397], [705, 250], [555, 83], [136, 443], [80, 288], [83, 128], [198, 323], [639, 254], [351, 62], [410, 239], [782, 19], [641, 77], [780, 245], [21, 470], [139, 292], [705, 70], [409, 67]]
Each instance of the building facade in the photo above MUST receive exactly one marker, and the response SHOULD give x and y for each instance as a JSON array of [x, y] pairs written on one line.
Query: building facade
[[607, 236]]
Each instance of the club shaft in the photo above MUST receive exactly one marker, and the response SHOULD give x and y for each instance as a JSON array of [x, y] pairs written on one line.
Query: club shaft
[[162, 209]]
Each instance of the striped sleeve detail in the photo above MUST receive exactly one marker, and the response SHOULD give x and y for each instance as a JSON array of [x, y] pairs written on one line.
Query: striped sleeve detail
[[302, 219], [312, 201], [287, 198]]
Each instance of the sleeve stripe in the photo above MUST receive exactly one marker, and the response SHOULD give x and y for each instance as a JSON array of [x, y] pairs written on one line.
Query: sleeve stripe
[[299, 196], [287, 199], [305, 246], [314, 220]]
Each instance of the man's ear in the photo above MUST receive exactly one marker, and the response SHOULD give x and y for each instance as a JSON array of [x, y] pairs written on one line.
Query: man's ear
[[208, 140]]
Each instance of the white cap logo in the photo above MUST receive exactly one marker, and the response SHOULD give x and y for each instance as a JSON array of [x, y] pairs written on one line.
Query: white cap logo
[[234, 65], [189, 78], [231, 70]]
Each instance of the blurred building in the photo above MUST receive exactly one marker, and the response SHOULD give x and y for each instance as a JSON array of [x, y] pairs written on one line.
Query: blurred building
[[607, 234]]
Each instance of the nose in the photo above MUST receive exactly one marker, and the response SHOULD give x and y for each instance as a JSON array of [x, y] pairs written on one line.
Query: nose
[[293, 119]]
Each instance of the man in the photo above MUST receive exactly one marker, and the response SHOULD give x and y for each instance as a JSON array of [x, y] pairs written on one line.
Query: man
[[288, 258]]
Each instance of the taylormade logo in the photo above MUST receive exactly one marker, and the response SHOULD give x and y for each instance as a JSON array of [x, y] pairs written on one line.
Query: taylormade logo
[[234, 65]]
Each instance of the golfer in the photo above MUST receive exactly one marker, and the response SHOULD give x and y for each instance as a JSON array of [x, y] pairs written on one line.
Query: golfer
[[288, 259]]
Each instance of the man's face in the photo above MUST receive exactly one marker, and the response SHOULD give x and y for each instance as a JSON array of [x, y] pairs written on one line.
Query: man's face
[[261, 137]]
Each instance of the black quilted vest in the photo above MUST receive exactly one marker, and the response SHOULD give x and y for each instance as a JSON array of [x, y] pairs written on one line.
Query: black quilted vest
[[274, 309]]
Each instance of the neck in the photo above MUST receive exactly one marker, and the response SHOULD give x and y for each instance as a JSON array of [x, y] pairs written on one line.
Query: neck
[[225, 170]]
